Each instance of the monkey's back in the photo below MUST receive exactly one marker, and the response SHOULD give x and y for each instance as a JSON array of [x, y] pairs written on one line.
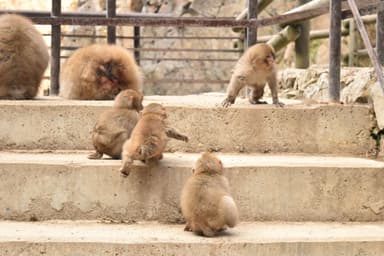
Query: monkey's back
[[202, 197], [23, 57], [112, 129], [148, 132], [81, 77]]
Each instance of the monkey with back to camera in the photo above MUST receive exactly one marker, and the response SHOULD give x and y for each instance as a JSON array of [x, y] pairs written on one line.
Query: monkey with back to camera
[[206, 203], [23, 57], [99, 72], [115, 125], [149, 138], [254, 69]]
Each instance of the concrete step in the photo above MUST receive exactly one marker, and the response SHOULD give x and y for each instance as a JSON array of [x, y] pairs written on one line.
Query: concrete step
[[43, 186], [53, 123], [273, 239]]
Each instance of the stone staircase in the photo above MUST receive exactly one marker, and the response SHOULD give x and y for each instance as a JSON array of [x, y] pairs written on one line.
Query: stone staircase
[[301, 175]]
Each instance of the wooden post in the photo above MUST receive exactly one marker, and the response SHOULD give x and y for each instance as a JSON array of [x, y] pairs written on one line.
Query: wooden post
[[252, 31], [367, 43], [302, 43], [111, 30], [334, 50], [55, 49], [380, 34]]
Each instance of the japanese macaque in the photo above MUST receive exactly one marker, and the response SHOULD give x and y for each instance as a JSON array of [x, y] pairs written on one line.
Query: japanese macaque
[[148, 138], [115, 125], [23, 57], [99, 72], [254, 69], [206, 203]]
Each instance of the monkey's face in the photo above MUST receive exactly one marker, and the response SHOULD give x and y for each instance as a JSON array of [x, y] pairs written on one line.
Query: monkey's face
[[270, 59]]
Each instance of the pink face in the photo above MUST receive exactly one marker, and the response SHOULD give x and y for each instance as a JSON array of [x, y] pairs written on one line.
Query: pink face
[[270, 59]]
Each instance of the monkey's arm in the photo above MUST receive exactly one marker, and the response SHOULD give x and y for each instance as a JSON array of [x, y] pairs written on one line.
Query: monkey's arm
[[236, 83], [172, 133], [272, 83]]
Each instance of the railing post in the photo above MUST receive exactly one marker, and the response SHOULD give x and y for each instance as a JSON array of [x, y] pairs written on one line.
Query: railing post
[[352, 44], [252, 31], [302, 43], [334, 50], [111, 13], [380, 34], [55, 49], [136, 43]]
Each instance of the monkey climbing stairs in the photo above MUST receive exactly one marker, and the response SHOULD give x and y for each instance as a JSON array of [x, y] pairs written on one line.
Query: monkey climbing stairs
[[299, 175]]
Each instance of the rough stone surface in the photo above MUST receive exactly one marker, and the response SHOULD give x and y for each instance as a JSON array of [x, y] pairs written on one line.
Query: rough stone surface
[[265, 187], [296, 128], [274, 239]]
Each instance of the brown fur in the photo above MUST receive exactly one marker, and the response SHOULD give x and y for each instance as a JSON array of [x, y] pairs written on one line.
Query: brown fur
[[115, 125], [254, 69], [23, 57], [148, 138], [205, 200], [99, 72]]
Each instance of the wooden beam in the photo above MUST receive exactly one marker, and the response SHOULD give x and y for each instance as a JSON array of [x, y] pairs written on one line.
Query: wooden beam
[[55, 50]]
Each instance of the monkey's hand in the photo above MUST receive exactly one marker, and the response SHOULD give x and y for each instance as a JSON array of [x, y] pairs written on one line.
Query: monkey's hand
[[125, 168], [172, 133], [228, 101], [187, 228], [278, 103], [96, 155]]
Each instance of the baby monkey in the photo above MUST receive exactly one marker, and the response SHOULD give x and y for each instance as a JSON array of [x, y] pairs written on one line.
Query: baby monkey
[[115, 125], [149, 138], [206, 203], [254, 69]]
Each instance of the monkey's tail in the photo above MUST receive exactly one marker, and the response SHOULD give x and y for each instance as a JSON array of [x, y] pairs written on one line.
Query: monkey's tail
[[229, 209]]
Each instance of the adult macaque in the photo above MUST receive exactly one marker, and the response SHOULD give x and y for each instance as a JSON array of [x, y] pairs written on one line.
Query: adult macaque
[[99, 72], [206, 203], [23, 57], [254, 69], [115, 125]]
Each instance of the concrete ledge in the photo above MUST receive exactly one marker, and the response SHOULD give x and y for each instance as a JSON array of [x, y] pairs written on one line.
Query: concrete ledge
[[274, 239], [265, 187], [59, 124]]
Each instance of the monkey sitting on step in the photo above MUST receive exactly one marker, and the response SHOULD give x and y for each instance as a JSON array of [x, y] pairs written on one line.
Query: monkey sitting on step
[[99, 72], [206, 203], [148, 138], [115, 125], [254, 69], [23, 57]]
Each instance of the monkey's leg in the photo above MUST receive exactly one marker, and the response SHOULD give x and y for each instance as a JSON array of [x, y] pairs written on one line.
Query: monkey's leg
[[188, 228], [95, 155], [172, 133], [207, 231], [256, 94], [272, 84], [235, 85], [126, 166]]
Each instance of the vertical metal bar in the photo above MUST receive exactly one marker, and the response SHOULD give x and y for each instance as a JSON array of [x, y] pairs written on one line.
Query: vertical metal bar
[[380, 33], [352, 44], [334, 50], [111, 13], [136, 43], [252, 31], [367, 43], [55, 49], [302, 43]]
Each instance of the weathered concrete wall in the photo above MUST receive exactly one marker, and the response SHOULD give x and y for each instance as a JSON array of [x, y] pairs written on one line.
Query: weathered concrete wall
[[57, 124], [265, 187]]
